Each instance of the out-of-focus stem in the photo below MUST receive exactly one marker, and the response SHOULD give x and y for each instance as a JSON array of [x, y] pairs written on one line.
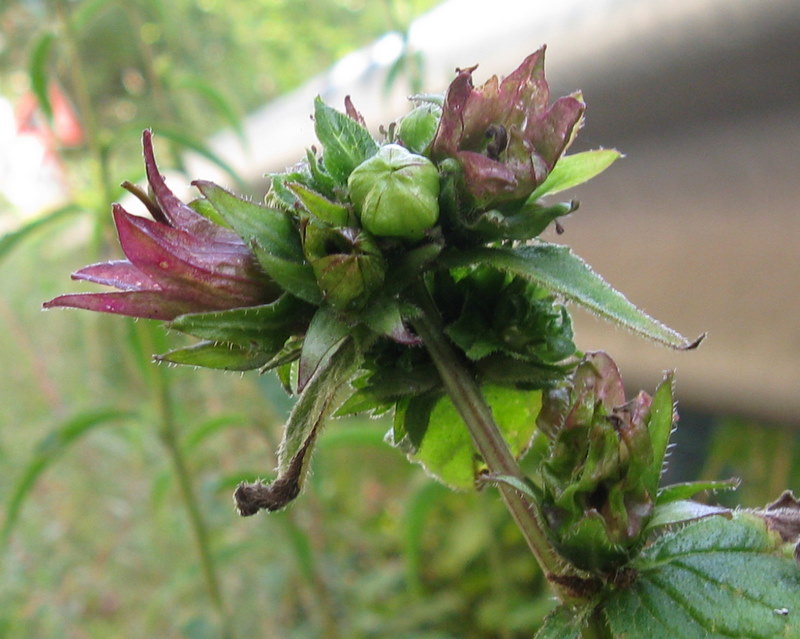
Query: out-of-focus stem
[[88, 117], [168, 433]]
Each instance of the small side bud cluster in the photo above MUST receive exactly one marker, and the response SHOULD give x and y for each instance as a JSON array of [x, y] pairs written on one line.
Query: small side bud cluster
[[601, 476]]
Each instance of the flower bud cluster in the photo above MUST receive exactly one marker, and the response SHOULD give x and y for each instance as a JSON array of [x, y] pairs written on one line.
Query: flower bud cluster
[[601, 474]]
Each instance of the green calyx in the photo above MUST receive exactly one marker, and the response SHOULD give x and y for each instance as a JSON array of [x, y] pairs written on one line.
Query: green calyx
[[395, 193]]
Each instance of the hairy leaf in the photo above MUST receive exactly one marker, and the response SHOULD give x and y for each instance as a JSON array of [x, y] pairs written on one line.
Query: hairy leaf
[[443, 445], [561, 271], [565, 622], [572, 170], [314, 407], [325, 332], [219, 355], [711, 579], [266, 327], [319, 206], [272, 236], [345, 143]]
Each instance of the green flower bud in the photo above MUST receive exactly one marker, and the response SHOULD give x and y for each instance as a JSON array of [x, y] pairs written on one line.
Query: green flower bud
[[395, 193], [417, 129]]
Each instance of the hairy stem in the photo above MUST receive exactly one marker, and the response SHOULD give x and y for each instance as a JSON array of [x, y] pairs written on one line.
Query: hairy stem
[[465, 394]]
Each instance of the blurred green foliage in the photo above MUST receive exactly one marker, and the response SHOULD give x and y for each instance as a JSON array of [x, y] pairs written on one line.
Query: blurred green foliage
[[101, 545]]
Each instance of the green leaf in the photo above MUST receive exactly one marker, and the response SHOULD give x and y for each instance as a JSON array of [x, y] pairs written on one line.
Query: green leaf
[[325, 331], [321, 180], [270, 228], [219, 355], [331, 213], [216, 99], [49, 449], [209, 427], [445, 449], [85, 12], [688, 490], [572, 170], [565, 622], [345, 143], [682, 511], [558, 269], [711, 579], [38, 71], [12, 238], [265, 327]]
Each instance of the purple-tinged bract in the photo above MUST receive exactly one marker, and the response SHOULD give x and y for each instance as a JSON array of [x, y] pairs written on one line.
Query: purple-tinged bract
[[504, 134]]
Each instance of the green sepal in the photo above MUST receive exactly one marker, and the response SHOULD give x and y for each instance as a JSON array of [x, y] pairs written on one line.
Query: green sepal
[[379, 391], [206, 209], [587, 544], [219, 355], [558, 269], [687, 490], [266, 327], [323, 182], [407, 269], [325, 332], [572, 170], [682, 511], [323, 209], [345, 143], [273, 237], [383, 317], [507, 370], [281, 195], [660, 425], [525, 224], [271, 229], [293, 276], [347, 264]]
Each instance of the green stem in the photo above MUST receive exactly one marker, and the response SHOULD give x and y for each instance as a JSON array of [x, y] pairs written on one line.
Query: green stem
[[168, 433], [465, 394]]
